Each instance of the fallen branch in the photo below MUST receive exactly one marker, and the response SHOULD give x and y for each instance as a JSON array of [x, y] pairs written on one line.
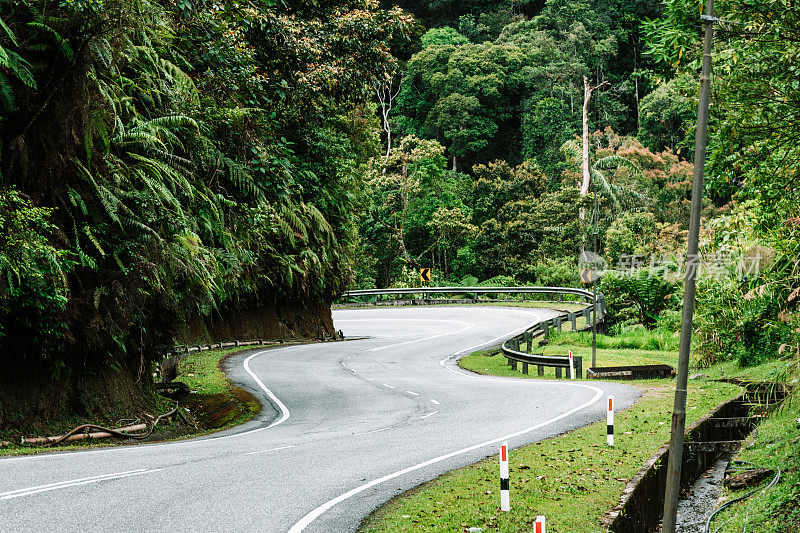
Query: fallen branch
[[83, 431]]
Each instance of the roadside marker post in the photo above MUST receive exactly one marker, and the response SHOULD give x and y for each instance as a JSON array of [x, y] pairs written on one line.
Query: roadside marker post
[[539, 525], [610, 421], [571, 366], [505, 497]]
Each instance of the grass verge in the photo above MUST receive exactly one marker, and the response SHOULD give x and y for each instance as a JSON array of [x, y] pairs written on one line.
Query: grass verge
[[571, 479], [491, 362]]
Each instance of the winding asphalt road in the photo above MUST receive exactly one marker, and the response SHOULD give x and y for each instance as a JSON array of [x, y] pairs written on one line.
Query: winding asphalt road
[[352, 424]]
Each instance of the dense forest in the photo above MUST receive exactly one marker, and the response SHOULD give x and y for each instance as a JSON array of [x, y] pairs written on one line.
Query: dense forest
[[164, 160]]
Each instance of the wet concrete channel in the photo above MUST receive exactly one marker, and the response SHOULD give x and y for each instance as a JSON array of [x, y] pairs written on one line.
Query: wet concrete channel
[[701, 500], [709, 442]]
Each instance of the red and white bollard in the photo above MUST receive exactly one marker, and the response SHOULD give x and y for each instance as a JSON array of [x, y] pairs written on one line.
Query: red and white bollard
[[538, 526], [571, 366], [610, 421], [505, 497]]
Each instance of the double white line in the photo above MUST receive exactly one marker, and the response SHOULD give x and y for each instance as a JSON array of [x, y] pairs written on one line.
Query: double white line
[[30, 491]]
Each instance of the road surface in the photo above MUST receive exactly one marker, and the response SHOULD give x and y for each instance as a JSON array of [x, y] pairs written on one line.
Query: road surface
[[347, 426]]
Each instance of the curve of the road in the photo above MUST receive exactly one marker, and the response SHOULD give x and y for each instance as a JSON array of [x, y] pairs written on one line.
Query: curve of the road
[[346, 427]]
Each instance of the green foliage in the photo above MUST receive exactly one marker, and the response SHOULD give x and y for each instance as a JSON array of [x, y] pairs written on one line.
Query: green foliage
[[635, 337], [638, 297], [665, 117], [467, 94], [557, 273], [753, 162], [631, 234], [33, 281], [442, 37], [198, 160]]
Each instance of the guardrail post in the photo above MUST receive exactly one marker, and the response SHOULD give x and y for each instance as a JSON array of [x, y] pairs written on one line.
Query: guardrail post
[[545, 327], [557, 323], [558, 372], [579, 366], [587, 314], [573, 319], [524, 368], [540, 370]]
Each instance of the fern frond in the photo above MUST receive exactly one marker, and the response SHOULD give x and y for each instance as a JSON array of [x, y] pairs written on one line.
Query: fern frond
[[63, 45]]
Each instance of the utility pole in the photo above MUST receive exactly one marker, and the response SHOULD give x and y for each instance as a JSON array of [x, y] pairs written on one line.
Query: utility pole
[[594, 289], [692, 263]]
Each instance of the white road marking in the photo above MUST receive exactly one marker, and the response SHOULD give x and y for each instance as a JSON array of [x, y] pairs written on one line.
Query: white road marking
[[412, 393], [429, 414], [389, 386], [374, 431], [466, 325], [434, 402], [314, 514], [30, 491], [271, 449], [284, 410]]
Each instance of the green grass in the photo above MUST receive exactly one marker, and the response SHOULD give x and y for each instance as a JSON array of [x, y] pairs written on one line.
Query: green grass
[[485, 362], [572, 479], [631, 338], [777, 445], [201, 371]]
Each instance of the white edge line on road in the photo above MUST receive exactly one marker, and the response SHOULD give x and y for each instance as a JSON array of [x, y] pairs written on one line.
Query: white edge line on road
[[314, 514], [30, 491], [271, 449], [434, 402], [412, 393], [389, 386], [429, 414]]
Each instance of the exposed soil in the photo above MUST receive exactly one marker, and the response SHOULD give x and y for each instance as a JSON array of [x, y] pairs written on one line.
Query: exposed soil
[[41, 406]]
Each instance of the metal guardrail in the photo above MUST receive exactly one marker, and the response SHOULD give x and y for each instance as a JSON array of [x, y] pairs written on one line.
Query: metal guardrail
[[511, 347], [473, 290], [426, 292]]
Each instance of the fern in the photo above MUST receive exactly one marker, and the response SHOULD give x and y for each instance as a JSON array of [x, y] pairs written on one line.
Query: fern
[[62, 45]]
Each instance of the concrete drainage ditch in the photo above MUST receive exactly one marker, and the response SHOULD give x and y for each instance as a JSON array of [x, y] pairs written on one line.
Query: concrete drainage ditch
[[716, 435]]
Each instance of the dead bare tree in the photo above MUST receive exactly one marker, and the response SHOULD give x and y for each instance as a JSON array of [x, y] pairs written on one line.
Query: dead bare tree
[[386, 93]]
